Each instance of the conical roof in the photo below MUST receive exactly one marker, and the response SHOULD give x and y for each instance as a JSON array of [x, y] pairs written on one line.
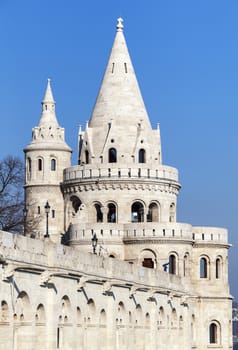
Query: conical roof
[[48, 116], [119, 98]]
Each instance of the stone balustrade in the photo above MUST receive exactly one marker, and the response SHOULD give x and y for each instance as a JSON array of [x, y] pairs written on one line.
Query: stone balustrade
[[132, 231], [87, 171]]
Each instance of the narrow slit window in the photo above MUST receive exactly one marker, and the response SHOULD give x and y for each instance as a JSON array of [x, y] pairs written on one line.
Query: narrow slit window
[[113, 65], [125, 66], [40, 164], [203, 268], [53, 164]]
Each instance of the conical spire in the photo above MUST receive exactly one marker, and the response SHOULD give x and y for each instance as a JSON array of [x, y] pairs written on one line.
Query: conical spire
[[119, 97], [48, 94], [48, 116]]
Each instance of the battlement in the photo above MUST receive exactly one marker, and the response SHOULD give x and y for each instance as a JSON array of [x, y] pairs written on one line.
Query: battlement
[[88, 171]]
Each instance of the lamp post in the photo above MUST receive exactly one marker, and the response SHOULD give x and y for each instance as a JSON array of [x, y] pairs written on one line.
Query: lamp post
[[94, 242], [47, 210], [25, 210]]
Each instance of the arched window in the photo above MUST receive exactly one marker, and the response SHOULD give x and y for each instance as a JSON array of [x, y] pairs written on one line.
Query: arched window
[[99, 214], [141, 156], [112, 155], [86, 156], [137, 212], [29, 164], [76, 202], [153, 213], [213, 333], [111, 214], [148, 258], [203, 268], [53, 164], [218, 268], [172, 212], [185, 265], [172, 264], [40, 164]]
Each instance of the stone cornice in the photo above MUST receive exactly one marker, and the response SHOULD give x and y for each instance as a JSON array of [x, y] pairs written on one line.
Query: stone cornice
[[119, 184]]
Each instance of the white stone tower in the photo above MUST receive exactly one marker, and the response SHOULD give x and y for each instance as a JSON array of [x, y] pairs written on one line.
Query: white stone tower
[[120, 190], [46, 157]]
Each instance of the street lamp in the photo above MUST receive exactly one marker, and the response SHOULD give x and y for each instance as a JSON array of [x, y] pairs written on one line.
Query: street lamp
[[47, 210], [94, 242]]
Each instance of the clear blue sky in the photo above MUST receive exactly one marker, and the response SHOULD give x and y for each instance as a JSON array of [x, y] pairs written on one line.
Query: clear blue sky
[[185, 54]]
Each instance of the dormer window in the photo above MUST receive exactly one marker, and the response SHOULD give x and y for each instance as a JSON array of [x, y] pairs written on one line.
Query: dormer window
[[86, 157], [141, 156], [112, 155]]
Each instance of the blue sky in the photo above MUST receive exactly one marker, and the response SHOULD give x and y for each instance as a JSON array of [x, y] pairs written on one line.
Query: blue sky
[[185, 54]]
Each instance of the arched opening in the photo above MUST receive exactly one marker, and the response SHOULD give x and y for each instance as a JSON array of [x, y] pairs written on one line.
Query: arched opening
[[213, 333], [53, 164], [141, 156], [29, 164], [111, 214], [76, 202], [148, 259], [137, 212], [174, 318], [161, 317], [172, 264], [172, 212], [4, 312], [112, 155], [203, 268], [153, 213], [218, 268], [185, 265], [40, 164], [99, 214], [86, 156]]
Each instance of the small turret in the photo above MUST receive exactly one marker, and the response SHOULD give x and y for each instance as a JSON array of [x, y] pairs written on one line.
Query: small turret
[[46, 157]]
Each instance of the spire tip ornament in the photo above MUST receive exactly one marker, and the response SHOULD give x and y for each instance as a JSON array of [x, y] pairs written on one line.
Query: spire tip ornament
[[120, 24]]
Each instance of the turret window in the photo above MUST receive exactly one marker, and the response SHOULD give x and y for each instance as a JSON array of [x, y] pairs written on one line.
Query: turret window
[[112, 155], [218, 268], [29, 164], [137, 212], [53, 164], [172, 264], [153, 213], [141, 156], [86, 157], [40, 164], [99, 214], [111, 214], [203, 268], [172, 212], [214, 333]]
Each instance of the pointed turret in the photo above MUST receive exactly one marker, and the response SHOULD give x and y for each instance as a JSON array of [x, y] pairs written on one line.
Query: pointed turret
[[46, 158], [48, 116], [119, 97], [119, 120]]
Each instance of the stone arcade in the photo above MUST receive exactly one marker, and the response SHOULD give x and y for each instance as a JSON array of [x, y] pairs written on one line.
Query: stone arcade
[[154, 283]]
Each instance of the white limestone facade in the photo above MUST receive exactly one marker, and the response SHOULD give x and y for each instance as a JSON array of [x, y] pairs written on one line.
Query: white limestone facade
[[154, 283]]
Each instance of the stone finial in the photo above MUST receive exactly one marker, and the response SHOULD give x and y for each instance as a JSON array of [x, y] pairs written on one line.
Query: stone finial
[[120, 25]]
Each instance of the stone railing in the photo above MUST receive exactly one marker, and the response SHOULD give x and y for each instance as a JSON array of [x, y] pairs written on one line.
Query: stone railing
[[133, 231], [87, 171], [216, 234]]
